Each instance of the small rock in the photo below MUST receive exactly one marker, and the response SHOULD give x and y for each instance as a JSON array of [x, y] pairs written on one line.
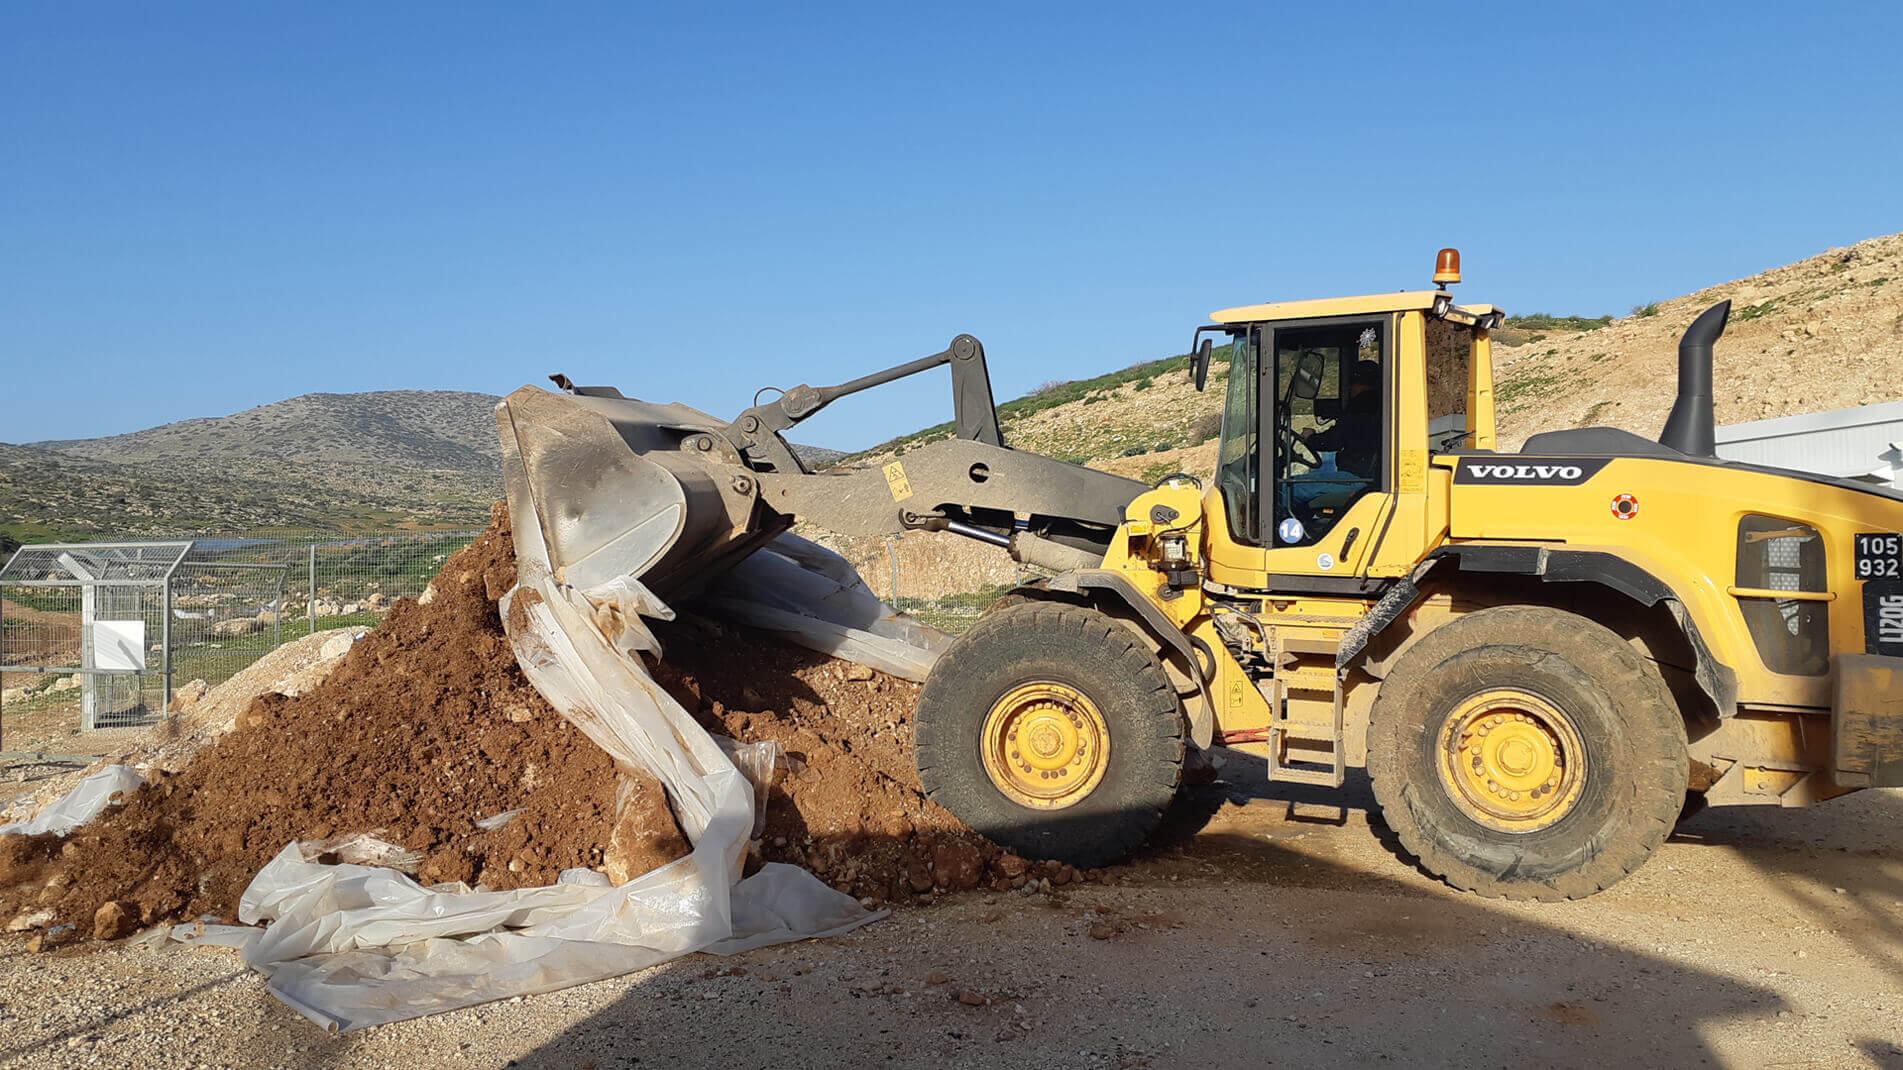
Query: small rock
[[970, 998], [1012, 865], [114, 920], [856, 671], [520, 714], [29, 920], [958, 865], [188, 696], [337, 646], [1102, 931], [936, 979]]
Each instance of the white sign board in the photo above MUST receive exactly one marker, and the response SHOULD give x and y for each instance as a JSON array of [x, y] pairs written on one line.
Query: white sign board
[[119, 644]]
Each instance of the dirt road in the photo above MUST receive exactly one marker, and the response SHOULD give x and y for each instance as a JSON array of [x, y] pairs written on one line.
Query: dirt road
[[1270, 926]]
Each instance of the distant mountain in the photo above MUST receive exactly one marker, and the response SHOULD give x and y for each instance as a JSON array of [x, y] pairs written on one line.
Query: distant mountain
[[345, 462], [334, 462], [442, 429]]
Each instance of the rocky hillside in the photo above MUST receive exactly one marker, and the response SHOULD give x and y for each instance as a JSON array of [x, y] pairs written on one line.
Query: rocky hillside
[[1823, 333], [440, 429], [350, 462]]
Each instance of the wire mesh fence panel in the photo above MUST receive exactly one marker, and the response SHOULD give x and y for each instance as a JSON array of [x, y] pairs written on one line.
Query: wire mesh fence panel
[[39, 627], [82, 631], [225, 615], [355, 581]]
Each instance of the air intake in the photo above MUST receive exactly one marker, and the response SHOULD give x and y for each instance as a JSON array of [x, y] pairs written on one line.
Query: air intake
[[1691, 428]]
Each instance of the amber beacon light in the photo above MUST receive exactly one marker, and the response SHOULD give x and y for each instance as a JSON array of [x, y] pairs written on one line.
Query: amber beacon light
[[1446, 267]]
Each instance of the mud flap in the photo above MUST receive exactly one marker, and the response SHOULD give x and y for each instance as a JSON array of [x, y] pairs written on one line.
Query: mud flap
[[1867, 724]]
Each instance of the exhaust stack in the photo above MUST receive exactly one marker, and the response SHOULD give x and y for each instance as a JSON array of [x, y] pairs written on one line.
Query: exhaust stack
[[1690, 429]]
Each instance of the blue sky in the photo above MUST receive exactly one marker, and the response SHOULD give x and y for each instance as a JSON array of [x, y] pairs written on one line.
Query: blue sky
[[209, 207]]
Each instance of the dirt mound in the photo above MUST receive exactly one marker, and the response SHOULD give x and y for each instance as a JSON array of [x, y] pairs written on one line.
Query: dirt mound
[[427, 727], [849, 808]]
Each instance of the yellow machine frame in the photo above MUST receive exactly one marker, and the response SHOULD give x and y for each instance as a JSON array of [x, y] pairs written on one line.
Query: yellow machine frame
[[1758, 735]]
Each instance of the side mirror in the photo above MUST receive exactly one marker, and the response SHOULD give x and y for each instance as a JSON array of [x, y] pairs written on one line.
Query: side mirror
[[1199, 363], [1308, 376]]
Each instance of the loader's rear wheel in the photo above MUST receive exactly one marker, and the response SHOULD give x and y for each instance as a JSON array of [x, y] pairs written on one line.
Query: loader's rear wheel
[[1527, 752], [1052, 730]]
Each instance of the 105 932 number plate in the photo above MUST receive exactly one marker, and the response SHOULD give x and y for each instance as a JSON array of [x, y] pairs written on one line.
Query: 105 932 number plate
[[1880, 567], [1880, 556]]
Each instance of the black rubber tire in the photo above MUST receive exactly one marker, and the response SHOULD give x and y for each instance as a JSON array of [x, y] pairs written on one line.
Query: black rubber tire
[[1631, 729], [1081, 648]]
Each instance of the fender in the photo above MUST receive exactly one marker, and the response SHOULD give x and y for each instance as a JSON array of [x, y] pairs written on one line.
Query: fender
[[1115, 585], [1717, 680]]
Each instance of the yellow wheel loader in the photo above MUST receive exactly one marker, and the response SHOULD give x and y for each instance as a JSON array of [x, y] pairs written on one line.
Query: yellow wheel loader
[[1541, 658]]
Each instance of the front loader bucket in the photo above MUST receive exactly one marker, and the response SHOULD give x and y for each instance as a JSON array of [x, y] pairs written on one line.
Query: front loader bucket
[[623, 488]]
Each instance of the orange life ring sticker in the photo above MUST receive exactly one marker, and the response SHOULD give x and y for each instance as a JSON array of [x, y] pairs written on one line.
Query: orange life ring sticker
[[1625, 507]]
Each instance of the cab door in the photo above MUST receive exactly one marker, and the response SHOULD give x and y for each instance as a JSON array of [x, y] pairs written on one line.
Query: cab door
[[1327, 389]]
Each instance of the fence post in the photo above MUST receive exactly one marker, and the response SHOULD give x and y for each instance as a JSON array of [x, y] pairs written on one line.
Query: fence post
[[165, 643], [310, 602], [892, 551]]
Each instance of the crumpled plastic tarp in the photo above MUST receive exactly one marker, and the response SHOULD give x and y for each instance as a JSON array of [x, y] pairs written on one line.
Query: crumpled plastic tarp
[[352, 945], [86, 801], [816, 598]]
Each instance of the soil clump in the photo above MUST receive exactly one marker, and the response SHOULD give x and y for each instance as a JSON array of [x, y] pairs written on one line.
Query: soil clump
[[428, 726]]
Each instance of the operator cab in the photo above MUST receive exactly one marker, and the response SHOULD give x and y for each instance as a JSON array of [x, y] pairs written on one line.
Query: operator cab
[[1336, 389]]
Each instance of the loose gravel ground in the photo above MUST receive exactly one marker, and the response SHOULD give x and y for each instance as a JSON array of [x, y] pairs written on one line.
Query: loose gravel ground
[[1270, 926]]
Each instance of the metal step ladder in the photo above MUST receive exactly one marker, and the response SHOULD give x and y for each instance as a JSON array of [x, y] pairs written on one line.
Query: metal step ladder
[[1283, 730]]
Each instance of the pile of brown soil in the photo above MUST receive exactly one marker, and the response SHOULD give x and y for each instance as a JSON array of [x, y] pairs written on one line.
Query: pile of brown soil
[[849, 808], [426, 727]]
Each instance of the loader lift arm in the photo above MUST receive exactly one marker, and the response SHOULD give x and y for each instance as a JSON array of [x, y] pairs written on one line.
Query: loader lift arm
[[673, 495], [756, 434]]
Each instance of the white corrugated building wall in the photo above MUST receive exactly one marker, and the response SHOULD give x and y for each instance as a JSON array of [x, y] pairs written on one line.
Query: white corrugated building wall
[[1862, 443]]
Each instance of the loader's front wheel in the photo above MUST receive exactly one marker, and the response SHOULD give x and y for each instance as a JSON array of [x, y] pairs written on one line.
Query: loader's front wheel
[[1527, 752], [1052, 730]]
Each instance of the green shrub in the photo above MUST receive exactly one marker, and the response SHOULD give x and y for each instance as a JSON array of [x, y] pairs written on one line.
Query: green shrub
[[1540, 321], [1645, 311], [1158, 470]]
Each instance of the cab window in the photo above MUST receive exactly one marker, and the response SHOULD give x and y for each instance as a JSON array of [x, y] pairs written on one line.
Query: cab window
[[1450, 349], [1330, 383]]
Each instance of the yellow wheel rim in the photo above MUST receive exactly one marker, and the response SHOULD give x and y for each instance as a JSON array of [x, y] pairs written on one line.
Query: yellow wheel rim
[[1045, 745], [1512, 760]]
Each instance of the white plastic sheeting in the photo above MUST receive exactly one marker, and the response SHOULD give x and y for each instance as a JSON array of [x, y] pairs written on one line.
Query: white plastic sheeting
[[353, 945], [814, 597], [86, 801], [360, 943]]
